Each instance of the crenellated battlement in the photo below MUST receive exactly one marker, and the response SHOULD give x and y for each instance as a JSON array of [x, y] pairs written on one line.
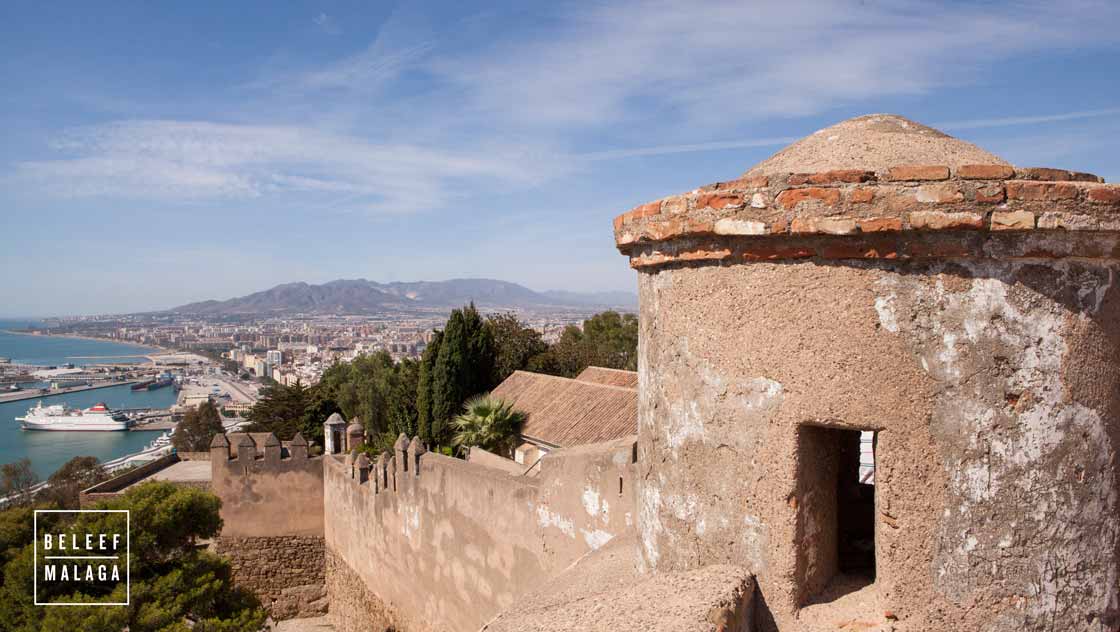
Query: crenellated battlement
[[260, 478], [391, 469], [244, 447], [409, 509]]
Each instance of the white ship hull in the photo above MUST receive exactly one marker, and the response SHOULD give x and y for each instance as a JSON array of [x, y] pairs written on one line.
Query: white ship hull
[[97, 418], [70, 425]]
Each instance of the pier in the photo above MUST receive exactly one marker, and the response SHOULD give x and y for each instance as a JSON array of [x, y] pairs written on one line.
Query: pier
[[35, 393], [152, 418]]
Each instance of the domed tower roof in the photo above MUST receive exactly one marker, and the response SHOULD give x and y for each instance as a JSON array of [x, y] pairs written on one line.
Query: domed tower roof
[[874, 142], [876, 187]]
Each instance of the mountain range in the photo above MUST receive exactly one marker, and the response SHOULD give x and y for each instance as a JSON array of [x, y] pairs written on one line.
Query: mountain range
[[361, 296]]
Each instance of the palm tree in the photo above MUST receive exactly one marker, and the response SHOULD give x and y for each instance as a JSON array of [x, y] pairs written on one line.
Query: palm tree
[[489, 423]]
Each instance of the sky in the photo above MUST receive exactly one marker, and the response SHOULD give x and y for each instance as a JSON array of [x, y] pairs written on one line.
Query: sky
[[154, 154]]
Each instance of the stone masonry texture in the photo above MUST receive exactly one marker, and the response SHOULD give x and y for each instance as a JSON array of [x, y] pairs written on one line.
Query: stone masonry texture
[[285, 572], [354, 608]]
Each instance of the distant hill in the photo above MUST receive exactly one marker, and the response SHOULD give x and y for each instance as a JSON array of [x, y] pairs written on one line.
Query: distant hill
[[360, 296]]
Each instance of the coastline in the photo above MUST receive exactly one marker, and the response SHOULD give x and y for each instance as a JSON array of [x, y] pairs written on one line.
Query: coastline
[[94, 339]]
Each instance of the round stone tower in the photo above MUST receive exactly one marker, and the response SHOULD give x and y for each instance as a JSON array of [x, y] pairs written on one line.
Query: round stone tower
[[881, 371]]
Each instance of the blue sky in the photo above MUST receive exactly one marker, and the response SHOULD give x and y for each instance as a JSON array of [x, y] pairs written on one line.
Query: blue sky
[[160, 153]]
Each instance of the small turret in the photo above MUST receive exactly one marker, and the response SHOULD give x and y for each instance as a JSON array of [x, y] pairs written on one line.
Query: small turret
[[355, 434], [334, 430]]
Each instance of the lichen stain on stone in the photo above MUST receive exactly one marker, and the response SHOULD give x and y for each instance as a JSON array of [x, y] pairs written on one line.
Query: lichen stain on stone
[[596, 538], [546, 519], [998, 337]]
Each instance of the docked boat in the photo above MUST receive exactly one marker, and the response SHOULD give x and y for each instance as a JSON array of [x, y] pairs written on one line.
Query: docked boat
[[163, 381], [143, 386], [98, 417], [159, 442]]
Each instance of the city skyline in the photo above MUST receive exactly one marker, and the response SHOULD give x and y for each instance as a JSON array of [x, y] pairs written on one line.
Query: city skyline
[[158, 156]]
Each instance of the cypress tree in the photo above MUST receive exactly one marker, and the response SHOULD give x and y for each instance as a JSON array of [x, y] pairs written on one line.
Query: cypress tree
[[424, 387], [445, 376], [463, 368]]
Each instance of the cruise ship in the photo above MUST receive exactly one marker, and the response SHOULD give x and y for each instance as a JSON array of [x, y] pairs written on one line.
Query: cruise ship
[[61, 417]]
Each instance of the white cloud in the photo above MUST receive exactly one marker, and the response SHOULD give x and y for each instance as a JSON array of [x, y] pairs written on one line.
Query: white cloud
[[1008, 121], [170, 160], [411, 122], [713, 64]]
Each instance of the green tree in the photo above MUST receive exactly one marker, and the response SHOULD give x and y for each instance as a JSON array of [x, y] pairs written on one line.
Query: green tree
[[612, 339], [607, 339], [198, 427], [176, 585], [371, 375], [64, 486], [464, 367], [515, 344], [15, 532], [566, 357], [424, 387], [280, 410], [401, 409], [320, 405], [16, 480], [489, 423]]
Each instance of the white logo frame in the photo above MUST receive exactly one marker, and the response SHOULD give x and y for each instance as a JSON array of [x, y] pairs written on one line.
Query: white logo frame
[[127, 557]]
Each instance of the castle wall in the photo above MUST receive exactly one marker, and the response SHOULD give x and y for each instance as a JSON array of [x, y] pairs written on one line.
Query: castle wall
[[995, 391], [450, 544], [286, 572], [272, 524]]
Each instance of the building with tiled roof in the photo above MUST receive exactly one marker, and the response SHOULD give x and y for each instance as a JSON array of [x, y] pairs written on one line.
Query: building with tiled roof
[[610, 377], [564, 412]]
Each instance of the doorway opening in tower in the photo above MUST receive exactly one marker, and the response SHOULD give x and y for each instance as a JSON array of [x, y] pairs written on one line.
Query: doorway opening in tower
[[836, 516]]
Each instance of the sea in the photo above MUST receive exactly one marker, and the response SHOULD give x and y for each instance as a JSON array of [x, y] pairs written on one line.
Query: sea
[[49, 450]]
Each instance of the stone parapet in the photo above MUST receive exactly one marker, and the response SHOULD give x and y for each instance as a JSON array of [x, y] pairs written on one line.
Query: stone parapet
[[442, 543], [878, 214], [267, 488]]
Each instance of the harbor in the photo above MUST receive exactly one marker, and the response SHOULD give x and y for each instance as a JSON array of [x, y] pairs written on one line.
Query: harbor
[[49, 450], [37, 393], [148, 386]]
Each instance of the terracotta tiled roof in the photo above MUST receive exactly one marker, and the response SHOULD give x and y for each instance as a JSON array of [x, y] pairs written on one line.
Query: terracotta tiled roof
[[564, 412], [610, 377]]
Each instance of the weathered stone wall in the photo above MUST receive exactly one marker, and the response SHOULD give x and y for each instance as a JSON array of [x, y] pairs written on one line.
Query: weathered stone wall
[[995, 391], [268, 491], [354, 607], [272, 521], [285, 572], [450, 544]]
